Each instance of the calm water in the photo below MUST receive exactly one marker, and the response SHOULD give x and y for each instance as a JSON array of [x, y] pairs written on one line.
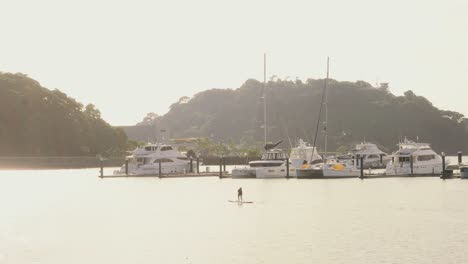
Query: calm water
[[71, 216]]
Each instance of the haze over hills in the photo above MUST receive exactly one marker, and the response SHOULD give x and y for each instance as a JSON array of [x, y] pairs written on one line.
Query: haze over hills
[[35, 121], [357, 111]]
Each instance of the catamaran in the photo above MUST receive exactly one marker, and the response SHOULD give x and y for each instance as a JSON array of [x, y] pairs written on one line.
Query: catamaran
[[273, 163]]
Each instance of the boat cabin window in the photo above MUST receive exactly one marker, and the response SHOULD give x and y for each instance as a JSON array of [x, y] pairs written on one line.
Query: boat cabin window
[[140, 160], [404, 159], [273, 156], [265, 164], [426, 157], [373, 156], [182, 158], [166, 148], [151, 148], [146, 160], [163, 160]]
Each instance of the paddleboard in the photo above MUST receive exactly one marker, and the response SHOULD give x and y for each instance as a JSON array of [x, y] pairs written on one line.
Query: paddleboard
[[235, 201]]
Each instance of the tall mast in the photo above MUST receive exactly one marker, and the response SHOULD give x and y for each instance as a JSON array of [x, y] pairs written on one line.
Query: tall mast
[[264, 101], [322, 104], [325, 123]]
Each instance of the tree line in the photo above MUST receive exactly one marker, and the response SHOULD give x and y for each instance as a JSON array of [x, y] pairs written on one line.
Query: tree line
[[357, 111], [35, 121]]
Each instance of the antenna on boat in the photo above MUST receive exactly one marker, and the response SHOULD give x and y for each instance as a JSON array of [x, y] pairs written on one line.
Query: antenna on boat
[[326, 108], [264, 101]]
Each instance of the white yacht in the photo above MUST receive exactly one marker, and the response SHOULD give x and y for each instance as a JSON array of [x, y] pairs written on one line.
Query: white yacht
[[425, 161], [145, 161], [373, 157]]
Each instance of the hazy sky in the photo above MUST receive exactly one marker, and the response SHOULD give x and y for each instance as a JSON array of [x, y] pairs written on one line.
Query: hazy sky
[[134, 57]]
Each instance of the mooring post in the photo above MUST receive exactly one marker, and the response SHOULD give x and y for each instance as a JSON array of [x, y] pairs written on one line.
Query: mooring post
[[459, 157], [160, 168], [362, 167], [126, 166], [411, 164], [357, 159], [220, 168], [443, 165], [287, 168], [224, 164], [191, 165], [198, 165], [101, 163], [393, 159], [381, 159]]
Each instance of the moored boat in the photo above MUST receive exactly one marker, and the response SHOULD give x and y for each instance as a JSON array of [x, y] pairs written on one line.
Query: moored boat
[[271, 165], [345, 168], [414, 159], [373, 157], [147, 160]]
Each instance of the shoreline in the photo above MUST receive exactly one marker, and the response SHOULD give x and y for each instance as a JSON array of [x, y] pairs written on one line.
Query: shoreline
[[57, 162]]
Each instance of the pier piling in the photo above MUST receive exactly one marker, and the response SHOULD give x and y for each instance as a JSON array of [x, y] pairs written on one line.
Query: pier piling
[[460, 157], [287, 168], [198, 165], [101, 163], [220, 168], [224, 164], [443, 165], [191, 165], [411, 164], [361, 167], [126, 166], [160, 168]]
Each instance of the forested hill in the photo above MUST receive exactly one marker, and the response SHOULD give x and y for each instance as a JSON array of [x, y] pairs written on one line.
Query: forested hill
[[35, 121], [357, 111]]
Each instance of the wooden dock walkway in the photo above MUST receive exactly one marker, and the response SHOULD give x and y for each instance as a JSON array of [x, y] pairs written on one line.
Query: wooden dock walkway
[[186, 175]]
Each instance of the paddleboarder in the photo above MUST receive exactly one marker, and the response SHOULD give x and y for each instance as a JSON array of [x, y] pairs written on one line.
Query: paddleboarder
[[239, 194]]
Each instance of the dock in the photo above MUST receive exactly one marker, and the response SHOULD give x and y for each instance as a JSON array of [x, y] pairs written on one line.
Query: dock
[[177, 175]]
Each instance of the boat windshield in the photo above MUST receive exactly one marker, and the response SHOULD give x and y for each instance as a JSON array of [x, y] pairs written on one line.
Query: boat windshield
[[151, 148], [273, 156], [307, 154], [166, 148], [266, 164]]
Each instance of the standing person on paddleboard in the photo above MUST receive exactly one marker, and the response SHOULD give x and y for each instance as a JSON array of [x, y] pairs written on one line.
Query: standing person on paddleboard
[[239, 194]]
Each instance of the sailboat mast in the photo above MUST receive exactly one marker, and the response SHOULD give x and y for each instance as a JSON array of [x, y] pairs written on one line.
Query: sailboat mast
[[264, 101], [326, 108]]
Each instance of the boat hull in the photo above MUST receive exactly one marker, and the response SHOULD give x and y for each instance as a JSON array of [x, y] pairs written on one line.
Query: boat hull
[[243, 173], [274, 172], [341, 173], [154, 170], [309, 173], [426, 170]]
